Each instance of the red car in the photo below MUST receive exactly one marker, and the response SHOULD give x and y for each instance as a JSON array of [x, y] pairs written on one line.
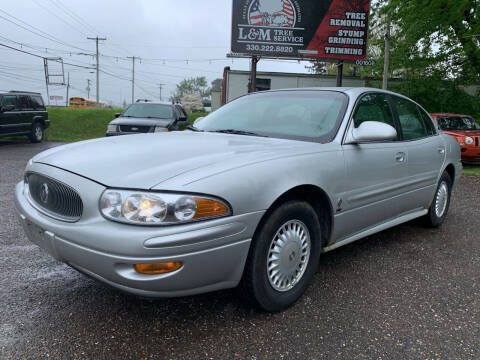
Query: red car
[[467, 132]]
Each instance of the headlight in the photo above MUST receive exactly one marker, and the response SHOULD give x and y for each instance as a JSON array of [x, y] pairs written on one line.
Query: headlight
[[112, 128], [152, 208], [160, 129], [468, 140]]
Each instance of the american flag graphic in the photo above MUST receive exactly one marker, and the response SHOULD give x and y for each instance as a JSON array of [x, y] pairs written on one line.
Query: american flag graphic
[[256, 17], [288, 11], [284, 17]]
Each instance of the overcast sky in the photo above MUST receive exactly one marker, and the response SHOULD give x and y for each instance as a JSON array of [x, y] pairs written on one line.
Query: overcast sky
[[152, 30]]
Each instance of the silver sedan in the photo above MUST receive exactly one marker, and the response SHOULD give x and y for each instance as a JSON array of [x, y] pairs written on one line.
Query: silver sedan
[[251, 197]]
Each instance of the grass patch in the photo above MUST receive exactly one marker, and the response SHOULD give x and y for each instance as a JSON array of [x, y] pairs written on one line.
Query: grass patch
[[68, 125], [471, 170], [78, 124]]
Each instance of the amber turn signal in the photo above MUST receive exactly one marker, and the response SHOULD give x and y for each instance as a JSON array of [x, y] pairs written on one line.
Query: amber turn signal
[[159, 268], [209, 208]]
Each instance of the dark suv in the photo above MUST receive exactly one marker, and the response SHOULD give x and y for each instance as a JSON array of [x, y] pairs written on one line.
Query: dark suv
[[23, 113], [148, 117]]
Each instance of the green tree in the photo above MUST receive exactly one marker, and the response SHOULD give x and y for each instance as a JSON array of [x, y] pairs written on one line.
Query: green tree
[[192, 86]]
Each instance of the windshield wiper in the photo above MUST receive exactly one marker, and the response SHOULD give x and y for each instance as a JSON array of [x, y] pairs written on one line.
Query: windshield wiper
[[237, 132], [193, 128]]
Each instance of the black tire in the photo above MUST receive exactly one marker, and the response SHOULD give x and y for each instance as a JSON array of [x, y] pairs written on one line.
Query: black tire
[[36, 134], [436, 218], [256, 283]]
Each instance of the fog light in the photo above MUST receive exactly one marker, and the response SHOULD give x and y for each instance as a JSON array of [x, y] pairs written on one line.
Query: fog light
[[159, 268]]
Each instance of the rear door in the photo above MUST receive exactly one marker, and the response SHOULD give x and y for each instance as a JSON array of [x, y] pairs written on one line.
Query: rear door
[[376, 172], [426, 151], [26, 112]]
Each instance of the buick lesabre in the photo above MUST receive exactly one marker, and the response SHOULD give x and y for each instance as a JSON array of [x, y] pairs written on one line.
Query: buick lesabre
[[250, 197]]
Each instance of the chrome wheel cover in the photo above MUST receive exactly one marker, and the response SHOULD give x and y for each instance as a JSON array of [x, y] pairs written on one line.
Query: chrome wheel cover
[[441, 199], [288, 255]]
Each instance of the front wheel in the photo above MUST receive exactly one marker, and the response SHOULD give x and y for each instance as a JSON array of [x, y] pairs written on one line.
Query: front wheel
[[284, 256], [441, 202], [36, 134]]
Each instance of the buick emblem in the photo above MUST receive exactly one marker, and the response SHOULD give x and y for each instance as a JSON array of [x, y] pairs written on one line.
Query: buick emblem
[[44, 193], [134, 128]]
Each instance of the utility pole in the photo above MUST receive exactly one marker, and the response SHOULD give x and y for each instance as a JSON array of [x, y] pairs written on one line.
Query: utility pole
[[340, 73], [68, 87], [253, 74], [98, 75], [160, 86], [88, 88], [386, 64], [133, 76]]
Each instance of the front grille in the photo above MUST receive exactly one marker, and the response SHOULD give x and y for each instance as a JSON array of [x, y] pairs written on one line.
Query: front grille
[[55, 198], [135, 128], [476, 141]]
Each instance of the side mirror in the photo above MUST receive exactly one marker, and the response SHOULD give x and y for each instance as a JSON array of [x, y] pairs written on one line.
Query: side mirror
[[182, 118], [118, 115], [371, 131], [197, 120]]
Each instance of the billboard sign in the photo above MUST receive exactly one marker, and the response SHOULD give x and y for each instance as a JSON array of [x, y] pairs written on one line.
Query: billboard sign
[[326, 29]]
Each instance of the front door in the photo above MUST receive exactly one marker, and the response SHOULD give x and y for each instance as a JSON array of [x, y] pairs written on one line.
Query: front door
[[10, 119], [376, 173]]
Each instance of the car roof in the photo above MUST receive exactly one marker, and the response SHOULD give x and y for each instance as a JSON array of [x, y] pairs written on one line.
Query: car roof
[[449, 114], [153, 102], [16, 92], [353, 91]]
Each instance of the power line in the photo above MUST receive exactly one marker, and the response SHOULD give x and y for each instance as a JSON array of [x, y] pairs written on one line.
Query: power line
[[43, 57], [58, 17], [38, 32]]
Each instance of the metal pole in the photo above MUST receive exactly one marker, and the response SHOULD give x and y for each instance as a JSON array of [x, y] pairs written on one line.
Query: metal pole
[[253, 74], [160, 87], [88, 88], [386, 64], [133, 77], [98, 62], [339, 73], [68, 87], [45, 65]]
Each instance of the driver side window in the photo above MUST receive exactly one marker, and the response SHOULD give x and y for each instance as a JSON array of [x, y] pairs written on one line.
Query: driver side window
[[373, 107]]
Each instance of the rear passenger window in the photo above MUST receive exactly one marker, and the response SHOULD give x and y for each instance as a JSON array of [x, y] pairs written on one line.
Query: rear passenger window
[[37, 103], [412, 124], [427, 121], [373, 107], [24, 103]]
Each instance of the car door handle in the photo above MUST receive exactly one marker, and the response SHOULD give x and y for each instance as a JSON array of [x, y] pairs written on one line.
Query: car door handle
[[400, 157], [441, 151]]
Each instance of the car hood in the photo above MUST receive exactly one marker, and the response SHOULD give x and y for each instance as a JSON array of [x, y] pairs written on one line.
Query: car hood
[[146, 160], [141, 121], [462, 133]]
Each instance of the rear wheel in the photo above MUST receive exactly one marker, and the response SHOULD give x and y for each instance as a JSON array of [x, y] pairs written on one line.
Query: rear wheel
[[283, 257], [36, 134], [441, 202]]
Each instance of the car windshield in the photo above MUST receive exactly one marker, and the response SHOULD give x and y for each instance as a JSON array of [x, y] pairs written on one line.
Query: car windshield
[[302, 115], [149, 110], [458, 123]]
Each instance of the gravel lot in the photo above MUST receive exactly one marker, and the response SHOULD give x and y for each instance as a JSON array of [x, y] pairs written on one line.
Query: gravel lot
[[406, 293]]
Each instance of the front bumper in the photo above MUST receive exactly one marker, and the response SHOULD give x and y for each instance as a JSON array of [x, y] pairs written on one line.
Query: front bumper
[[470, 154], [213, 252]]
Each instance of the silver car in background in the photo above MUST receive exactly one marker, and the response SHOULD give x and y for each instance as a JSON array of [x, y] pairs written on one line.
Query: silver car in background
[[250, 197]]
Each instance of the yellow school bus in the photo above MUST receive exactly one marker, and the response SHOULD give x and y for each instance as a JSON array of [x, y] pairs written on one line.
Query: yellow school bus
[[82, 103]]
